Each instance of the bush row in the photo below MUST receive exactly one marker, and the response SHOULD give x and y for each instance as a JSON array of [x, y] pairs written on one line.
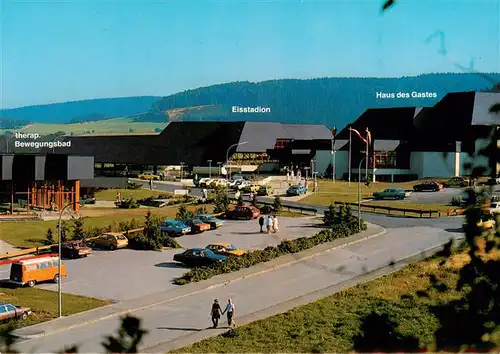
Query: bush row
[[342, 229]]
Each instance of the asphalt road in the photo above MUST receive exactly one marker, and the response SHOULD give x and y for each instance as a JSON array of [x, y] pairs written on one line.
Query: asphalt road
[[185, 315], [109, 274]]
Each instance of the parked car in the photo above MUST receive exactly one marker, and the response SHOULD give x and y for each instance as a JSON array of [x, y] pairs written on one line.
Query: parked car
[[36, 270], [250, 188], [220, 182], [493, 181], [9, 311], [73, 249], [196, 225], [243, 212], [211, 220], [111, 241], [198, 257], [296, 190], [239, 184], [174, 227], [149, 176], [391, 193], [225, 249], [265, 190], [205, 182], [432, 186], [494, 208], [456, 182]]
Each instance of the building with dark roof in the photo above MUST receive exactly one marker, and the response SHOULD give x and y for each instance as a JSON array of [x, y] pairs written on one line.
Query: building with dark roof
[[193, 144], [410, 143]]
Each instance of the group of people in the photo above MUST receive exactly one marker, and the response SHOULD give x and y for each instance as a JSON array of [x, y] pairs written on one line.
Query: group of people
[[217, 312], [271, 222]]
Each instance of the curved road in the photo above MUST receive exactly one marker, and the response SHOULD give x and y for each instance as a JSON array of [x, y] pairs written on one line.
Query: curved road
[[174, 319]]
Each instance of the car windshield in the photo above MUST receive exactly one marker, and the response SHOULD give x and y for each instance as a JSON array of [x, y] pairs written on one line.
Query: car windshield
[[121, 237], [230, 248], [79, 244], [197, 221], [494, 205]]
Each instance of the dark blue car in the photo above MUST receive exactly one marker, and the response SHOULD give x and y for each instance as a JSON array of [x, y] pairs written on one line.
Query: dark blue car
[[198, 257]]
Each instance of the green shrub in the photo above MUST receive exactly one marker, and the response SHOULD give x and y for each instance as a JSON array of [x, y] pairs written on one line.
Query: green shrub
[[265, 209], [129, 225], [221, 200], [456, 201], [183, 213], [130, 203], [133, 185], [348, 225], [170, 242]]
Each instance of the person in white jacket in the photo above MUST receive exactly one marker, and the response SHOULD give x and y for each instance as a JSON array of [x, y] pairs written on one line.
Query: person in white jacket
[[276, 225]]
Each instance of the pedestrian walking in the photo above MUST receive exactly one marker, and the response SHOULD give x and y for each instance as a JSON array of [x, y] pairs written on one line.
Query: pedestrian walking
[[151, 184], [276, 225], [269, 224], [230, 309], [215, 313], [261, 223]]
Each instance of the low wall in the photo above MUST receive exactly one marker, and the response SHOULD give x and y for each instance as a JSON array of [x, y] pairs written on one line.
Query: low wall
[[105, 182]]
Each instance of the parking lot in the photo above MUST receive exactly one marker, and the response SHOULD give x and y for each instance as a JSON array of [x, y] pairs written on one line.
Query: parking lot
[[442, 197], [127, 274]]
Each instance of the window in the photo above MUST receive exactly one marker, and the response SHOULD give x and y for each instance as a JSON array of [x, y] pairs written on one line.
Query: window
[[55, 264], [385, 159], [44, 265], [10, 308], [3, 309]]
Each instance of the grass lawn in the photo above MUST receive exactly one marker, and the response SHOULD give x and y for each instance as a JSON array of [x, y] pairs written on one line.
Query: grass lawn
[[32, 233], [340, 191], [330, 324], [123, 125], [110, 194], [44, 304]]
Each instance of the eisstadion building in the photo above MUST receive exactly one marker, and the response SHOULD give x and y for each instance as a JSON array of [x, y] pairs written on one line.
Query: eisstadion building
[[407, 143]]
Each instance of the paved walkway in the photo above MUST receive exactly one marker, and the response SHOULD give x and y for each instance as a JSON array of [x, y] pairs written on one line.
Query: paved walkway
[[170, 317], [7, 248]]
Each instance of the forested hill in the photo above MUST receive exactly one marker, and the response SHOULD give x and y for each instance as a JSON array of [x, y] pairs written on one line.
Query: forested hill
[[330, 101], [66, 112]]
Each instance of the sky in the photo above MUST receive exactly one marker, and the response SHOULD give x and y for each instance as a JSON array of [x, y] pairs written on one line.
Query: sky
[[58, 51]]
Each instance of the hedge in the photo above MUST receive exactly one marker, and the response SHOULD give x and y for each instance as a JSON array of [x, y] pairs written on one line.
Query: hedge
[[233, 264]]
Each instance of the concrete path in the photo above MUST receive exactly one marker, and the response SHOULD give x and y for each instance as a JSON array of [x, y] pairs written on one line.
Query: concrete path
[[172, 316], [7, 248]]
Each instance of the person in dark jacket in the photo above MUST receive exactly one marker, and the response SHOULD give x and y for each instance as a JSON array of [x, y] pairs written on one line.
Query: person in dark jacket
[[215, 313], [261, 223]]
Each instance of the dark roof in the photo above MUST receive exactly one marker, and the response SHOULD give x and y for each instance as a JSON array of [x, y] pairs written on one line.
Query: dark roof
[[384, 123], [460, 116], [191, 142], [261, 136]]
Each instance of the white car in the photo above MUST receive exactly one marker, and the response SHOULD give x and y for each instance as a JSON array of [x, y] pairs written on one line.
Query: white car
[[205, 182], [239, 184], [494, 208]]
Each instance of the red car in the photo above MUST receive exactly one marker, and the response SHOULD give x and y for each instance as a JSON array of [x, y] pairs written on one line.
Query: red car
[[243, 212]]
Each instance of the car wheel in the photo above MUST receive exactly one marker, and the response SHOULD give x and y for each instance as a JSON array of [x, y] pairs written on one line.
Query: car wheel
[[56, 278], [112, 247], [31, 283], [24, 316]]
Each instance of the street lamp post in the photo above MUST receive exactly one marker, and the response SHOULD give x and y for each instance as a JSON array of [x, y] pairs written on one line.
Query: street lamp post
[[359, 192], [182, 166], [228, 172], [209, 168], [8, 140], [220, 168], [307, 170], [59, 261], [55, 139]]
